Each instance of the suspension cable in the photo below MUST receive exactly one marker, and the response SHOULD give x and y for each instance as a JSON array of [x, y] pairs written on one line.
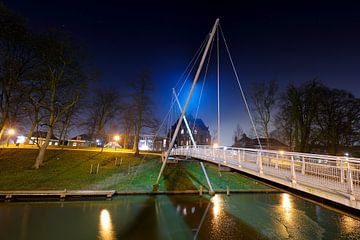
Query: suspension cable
[[192, 62], [192, 59], [218, 85], [241, 89], [202, 87]]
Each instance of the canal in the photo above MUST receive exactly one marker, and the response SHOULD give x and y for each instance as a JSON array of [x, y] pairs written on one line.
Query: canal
[[239, 216]]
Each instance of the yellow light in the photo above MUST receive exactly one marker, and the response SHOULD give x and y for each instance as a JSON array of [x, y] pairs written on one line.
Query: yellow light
[[216, 200], [286, 207], [116, 137], [285, 202], [11, 131], [281, 152], [106, 231], [348, 224], [215, 145]]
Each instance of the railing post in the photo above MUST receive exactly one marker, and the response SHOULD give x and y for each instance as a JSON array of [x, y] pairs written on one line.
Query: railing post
[[341, 170], [293, 174], [350, 182], [260, 163], [239, 157], [277, 161], [224, 155], [303, 166]]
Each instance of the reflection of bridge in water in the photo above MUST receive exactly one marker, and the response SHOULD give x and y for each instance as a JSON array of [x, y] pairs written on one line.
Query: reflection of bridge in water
[[330, 177]]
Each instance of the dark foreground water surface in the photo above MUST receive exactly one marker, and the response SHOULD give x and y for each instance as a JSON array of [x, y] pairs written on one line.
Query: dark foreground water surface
[[239, 216]]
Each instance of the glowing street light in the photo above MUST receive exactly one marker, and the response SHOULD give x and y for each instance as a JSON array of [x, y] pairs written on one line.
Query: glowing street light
[[11, 132], [215, 145], [116, 138]]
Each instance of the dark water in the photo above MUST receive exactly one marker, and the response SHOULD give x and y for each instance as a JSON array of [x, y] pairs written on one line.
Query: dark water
[[239, 216]]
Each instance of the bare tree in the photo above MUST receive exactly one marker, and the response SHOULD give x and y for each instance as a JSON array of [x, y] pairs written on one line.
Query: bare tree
[[61, 78], [141, 104], [103, 108], [299, 109], [337, 119], [264, 96], [238, 133], [17, 59], [128, 120]]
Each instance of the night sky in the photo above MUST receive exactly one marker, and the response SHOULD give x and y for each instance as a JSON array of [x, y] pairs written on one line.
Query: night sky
[[287, 41]]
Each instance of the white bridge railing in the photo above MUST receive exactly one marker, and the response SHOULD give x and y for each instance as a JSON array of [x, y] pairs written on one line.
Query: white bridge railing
[[339, 175]]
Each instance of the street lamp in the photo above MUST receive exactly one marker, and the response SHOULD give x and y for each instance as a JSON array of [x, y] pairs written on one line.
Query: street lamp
[[10, 132], [116, 138]]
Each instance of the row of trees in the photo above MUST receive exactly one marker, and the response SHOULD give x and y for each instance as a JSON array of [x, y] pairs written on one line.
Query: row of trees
[[309, 117], [44, 86]]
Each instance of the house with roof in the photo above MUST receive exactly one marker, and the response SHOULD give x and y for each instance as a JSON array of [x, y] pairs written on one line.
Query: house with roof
[[198, 129], [81, 140], [266, 143], [39, 137]]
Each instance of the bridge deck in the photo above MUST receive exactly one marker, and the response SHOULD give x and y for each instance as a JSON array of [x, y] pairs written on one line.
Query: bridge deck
[[330, 177]]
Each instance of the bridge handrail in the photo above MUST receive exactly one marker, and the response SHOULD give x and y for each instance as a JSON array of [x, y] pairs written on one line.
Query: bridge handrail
[[282, 153]]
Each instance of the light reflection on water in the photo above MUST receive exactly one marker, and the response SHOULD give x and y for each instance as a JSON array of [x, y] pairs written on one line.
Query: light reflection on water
[[348, 224], [217, 205], [239, 216], [105, 227], [286, 205]]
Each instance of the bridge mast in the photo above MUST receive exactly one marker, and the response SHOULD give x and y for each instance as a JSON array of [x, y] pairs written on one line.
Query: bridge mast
[[211, 37], [211, 192]]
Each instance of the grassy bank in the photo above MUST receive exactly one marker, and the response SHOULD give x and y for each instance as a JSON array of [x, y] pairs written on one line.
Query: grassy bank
[[71, 170]]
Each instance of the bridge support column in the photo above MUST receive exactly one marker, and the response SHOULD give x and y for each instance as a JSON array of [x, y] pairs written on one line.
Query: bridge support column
[[260, 166], [211, 192], [341, 171], [293, 173], [350, 182], [277, 161], [224, 155], [239, 158], [303, 166]]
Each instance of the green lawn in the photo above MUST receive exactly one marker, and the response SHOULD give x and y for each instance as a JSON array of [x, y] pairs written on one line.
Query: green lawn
[[64, 169]]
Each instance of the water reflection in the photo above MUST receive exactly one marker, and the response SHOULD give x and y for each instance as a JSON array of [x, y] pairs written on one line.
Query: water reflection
[[348, 224], [286, 205], [105, 228], [217, 201]]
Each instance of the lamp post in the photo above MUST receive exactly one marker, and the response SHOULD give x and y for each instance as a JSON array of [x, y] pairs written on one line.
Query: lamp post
[[116, 139], [10, 133]]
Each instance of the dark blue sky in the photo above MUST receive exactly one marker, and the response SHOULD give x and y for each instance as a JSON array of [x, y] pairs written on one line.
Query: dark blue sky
[[287, 41]]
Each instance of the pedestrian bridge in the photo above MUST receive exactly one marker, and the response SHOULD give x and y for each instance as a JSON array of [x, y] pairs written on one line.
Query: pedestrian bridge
[[330, 177]]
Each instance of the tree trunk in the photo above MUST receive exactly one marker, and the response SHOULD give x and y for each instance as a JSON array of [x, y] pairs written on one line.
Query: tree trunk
[[31, 131], [40, 157], [126, 140], [2, 127], [136, 141]]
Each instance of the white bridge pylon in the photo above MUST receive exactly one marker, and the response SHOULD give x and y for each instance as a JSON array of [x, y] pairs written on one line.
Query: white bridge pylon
[[211, 192], [197, 75]]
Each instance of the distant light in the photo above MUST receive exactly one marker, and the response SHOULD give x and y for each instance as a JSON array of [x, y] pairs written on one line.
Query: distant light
[[116, 138], [11, 131], [346, 154], [20, 139], [98, 140], [105, 226], [215, 145], [217, 202], [281, 152]]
